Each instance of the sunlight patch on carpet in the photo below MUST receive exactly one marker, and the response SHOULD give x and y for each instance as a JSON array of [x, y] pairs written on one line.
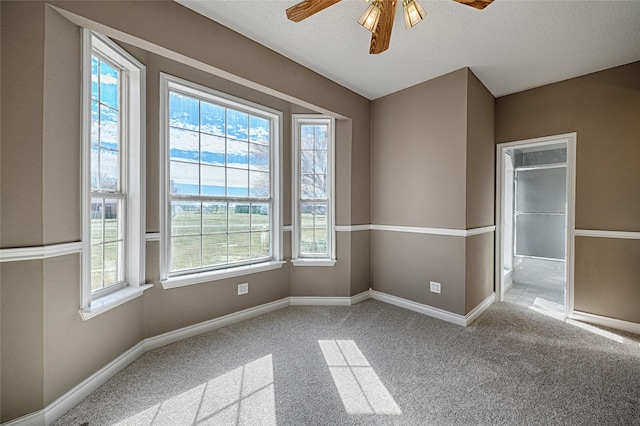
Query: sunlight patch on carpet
[[556, 311], [360, 388], [243, 396]]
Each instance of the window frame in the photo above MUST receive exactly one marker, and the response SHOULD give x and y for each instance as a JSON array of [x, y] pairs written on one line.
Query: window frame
[[168, 83], [298, 258], [132, 174]]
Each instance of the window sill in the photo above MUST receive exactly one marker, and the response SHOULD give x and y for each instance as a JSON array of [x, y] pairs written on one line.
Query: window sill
[[203, 277], [313, 262], [112, 300]]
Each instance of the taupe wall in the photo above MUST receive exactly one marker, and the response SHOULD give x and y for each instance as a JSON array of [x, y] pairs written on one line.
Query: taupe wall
[[46, 348], [604, 109], [418, 143], [480, 155], [23, 65], [432, 166], [480, 188], [22, 337]]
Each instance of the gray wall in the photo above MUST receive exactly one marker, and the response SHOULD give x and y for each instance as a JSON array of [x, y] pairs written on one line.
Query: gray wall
[[46, 348], [603, 108]]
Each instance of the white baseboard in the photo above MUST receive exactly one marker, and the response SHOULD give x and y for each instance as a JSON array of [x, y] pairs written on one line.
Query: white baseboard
[[463, 320], [72, 398], [330, 301], [203, 327], [420, 308], [320, 301], [475, 312], [630, 327], [361, 297]]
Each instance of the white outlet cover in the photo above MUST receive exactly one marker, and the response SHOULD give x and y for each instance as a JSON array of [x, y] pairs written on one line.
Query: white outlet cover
[[434, 287], [243, 288]]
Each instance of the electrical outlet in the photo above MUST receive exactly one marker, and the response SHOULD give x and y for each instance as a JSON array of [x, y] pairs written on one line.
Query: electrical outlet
[[434, 287], [243, 288]]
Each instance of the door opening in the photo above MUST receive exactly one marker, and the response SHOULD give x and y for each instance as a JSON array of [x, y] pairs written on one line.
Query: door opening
[[534, 233]]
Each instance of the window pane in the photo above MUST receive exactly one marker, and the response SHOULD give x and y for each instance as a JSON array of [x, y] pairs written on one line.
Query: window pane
[[225, 153], [306, 241], [320, 241], [320, 185], [95, 168], [239, 217], [259, 184], [96, 221], [321, 137], [260, 218], [313, 228], [96, 267], [109, 129], [184, 178], [214, 218], [212, 118], [94, 78], [306, 216], [307, 137], [111, 257], [239, 247], [320, 162], [237, 125], [307, 191], [306, 162], [237, 183], [260, 243], [214, 249], [112, 228], [109, 85], [212, 180], [95, 123], [259, 130], [185, 145], [212, 150], [109, 169], [185, 218], [185, 253], [183, 111], [237, 154], [259, 157]]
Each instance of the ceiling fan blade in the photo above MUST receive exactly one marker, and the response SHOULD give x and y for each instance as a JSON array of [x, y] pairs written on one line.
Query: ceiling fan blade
[[381, 37], [306, 8], [476, 4]]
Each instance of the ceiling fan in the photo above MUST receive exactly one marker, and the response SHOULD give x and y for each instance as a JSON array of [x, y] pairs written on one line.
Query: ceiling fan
[[377, 18]]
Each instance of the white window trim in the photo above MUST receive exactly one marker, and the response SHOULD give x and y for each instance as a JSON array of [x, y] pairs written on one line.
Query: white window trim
[[198, 277], [135, 86], [298, 260]]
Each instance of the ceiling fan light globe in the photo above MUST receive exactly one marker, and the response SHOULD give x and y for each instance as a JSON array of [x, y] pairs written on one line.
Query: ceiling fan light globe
[[369, 19], [413, 13]]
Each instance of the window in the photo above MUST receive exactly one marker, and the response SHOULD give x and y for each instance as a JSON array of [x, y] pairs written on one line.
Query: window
[[221, 185], [313, 227], [113, 167]]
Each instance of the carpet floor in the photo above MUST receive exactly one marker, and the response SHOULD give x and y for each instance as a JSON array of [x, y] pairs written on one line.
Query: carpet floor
[[378, 364]]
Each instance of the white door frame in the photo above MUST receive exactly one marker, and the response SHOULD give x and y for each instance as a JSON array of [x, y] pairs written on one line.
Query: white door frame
[[570, 139]]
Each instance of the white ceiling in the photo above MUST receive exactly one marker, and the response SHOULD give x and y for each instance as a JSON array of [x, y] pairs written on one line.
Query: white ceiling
[[512, 45]]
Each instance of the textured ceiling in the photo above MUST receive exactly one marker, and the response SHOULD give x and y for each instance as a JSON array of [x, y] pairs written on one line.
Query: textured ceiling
[[512, 45]]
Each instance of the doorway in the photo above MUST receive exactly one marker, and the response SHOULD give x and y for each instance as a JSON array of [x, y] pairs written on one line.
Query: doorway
[[535, 189]]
